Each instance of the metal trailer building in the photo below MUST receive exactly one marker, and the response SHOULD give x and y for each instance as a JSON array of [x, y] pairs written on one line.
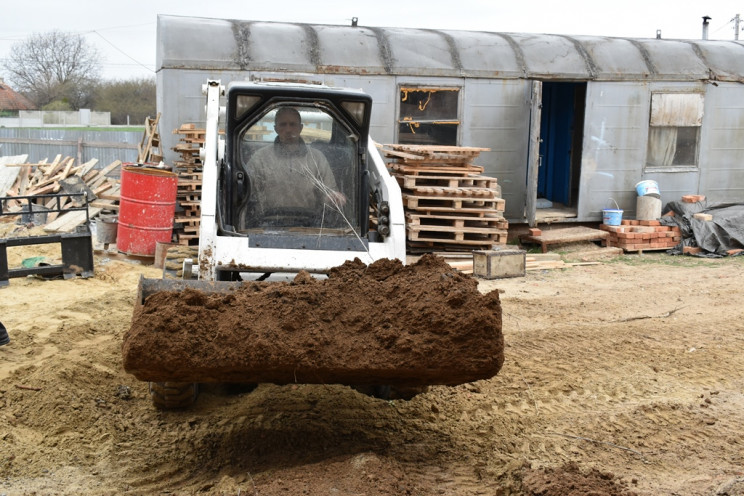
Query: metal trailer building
[[572, 122]]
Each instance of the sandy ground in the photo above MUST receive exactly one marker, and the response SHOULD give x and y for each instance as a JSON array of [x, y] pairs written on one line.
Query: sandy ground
[[625, 377]]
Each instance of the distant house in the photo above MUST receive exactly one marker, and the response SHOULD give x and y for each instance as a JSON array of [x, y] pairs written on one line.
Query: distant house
[[12, 102]]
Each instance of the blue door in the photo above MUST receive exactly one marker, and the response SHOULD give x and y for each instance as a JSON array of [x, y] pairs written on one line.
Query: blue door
[[560, 131]]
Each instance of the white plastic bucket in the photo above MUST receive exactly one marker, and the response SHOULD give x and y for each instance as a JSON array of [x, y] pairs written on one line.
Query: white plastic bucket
[[612, 217], [648, 188]]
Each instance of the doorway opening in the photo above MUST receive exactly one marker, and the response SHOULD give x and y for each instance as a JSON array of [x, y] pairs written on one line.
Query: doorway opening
[[561, 141]]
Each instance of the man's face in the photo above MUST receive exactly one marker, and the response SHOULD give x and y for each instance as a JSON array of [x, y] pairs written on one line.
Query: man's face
[[288, 127]]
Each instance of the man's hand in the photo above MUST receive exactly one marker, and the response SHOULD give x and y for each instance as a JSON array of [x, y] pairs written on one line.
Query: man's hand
[[337, 198]]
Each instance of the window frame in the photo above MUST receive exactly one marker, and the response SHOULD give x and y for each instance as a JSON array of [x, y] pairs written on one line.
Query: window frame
[[669, 110], [455, 120]]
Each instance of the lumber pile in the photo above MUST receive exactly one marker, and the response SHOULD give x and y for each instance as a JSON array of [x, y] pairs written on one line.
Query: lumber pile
[[62, 177], [448, 202], [641, 235]]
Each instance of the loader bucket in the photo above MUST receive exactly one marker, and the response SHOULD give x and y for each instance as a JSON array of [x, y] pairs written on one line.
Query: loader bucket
[[386, 323]]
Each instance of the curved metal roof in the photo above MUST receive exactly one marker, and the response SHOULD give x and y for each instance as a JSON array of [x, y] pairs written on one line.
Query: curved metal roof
[[223, 44]]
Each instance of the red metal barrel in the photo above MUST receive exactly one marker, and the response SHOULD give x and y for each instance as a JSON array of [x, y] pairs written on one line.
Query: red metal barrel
[[147, 206]]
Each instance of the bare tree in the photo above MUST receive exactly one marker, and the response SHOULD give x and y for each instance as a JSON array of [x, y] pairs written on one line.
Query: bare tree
[[55, 67]]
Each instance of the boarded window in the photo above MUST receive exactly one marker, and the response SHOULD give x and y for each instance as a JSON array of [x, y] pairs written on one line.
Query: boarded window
[[428, 116], [674, 130]]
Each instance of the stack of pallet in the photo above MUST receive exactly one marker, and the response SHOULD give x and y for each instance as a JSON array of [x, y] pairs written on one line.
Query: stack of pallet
[[188, 215], [188, 147], [188, 167], [449, 204], [62, 177], [641, 235]]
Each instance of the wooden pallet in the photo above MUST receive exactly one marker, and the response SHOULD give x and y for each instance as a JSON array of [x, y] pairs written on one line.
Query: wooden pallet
[[460, 235], [431, 153], [413, 170], [487, 221], [427, 181], [564, 235], [445, 204]]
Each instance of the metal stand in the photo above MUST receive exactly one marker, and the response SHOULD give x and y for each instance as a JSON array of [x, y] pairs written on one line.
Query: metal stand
[[77, 247]]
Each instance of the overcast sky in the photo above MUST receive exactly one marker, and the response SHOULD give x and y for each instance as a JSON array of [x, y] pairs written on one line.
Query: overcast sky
[[124, 31]]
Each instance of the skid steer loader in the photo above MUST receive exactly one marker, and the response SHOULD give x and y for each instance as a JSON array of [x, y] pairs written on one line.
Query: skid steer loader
[[295, 186]]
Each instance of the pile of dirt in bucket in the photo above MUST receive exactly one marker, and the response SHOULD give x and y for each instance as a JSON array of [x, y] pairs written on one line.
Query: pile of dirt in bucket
[[385, 323]]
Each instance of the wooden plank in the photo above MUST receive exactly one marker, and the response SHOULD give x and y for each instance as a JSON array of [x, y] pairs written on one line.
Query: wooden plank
[[103, 187], [9, 175], [23, 181], [101, 176], [113, 194], [58, 164], [70, 220], [104, 204], [87, 167]]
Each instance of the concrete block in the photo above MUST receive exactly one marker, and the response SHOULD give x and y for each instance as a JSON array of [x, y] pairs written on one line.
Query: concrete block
[[498, 264]]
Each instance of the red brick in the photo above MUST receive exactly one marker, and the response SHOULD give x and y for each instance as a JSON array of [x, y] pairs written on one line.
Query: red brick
[[693, 198]]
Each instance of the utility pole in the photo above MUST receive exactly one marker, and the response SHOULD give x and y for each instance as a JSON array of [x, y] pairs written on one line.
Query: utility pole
[[736, 20]]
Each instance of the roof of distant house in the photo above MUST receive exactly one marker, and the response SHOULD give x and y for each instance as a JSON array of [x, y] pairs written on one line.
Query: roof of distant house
[[10, 100]]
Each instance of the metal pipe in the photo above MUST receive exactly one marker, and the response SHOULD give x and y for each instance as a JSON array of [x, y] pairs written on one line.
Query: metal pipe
[[705, 26]]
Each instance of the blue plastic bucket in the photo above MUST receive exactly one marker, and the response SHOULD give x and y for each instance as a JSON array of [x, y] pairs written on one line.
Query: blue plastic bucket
[[612, 217], [648, 188]]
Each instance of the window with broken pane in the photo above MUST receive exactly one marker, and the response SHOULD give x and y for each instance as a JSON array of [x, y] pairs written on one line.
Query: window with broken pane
[[428, 116]]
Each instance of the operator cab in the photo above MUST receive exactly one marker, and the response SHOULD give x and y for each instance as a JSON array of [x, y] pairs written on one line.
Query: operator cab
[[295, 174]]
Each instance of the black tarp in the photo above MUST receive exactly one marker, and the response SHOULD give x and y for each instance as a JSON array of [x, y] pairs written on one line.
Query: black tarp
[[724, 232]]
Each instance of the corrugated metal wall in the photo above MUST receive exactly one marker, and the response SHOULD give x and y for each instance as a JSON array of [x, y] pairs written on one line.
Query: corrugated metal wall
[[494, 73], [40, 144]]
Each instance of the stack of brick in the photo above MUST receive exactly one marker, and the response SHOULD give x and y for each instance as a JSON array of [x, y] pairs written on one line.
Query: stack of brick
[[641, 235]]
